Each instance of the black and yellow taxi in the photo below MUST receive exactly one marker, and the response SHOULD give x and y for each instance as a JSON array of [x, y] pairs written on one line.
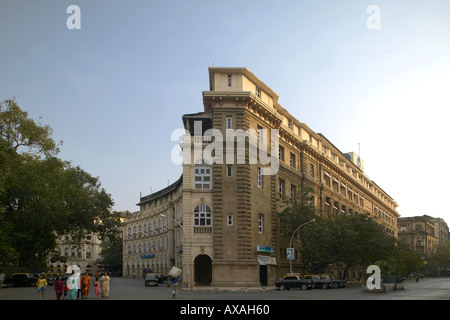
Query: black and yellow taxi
[[21, 280]]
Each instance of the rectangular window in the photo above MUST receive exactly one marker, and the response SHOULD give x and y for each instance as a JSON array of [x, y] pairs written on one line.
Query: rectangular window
[[281, 153], [258, 92], [202, 177], [260, 223], [229, 80], [311, 170], [292, 160], [229, 171], [335, 185], [327, 178], [280, 186], [229, 219], [293, 192], [259, 178], [229, 122], [260, 132]]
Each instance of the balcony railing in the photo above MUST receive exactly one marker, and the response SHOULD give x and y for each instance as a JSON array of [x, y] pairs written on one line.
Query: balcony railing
[[203, 229]]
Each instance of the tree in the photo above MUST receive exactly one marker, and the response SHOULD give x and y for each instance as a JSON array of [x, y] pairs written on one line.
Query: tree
[[42, 196], [355, 240], [112, 252], [359, 241], [439, 263], [19, 131], [402, 261], [296, 213]]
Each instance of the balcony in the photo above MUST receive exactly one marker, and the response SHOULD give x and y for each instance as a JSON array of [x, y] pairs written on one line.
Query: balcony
[[202, 229]]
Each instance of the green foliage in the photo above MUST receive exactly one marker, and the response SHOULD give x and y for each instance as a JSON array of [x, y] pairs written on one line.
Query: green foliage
[[355, 240], [19, 131], [402, 261], [439, 262], [42, 196], [112, 253]]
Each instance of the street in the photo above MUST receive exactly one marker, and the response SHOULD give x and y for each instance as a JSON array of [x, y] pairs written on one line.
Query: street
[[134, 289]]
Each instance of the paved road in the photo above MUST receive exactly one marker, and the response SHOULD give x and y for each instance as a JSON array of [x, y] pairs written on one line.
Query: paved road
[[134, 289]]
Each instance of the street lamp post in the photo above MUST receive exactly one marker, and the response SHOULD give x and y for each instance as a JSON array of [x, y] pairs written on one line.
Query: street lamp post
[[187, 242], [292, 237]]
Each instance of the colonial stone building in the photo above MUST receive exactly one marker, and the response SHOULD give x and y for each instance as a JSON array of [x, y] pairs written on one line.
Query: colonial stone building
[[85, 253], [422, 233], [150, 241], [223, 227]]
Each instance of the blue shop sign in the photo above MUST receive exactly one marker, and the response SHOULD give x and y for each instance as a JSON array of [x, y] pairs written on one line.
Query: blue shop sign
[[264, 249]]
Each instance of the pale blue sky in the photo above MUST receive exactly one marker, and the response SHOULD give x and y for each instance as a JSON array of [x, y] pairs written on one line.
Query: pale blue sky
[[116, 89]]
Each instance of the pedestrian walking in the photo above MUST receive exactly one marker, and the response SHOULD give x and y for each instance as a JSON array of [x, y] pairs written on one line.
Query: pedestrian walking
[[41, 286], [2, 278], [59, 288], [73, 283], [80, 287], [105, 285], [97, 288], [174, 281], [66, 289], [87, 281]]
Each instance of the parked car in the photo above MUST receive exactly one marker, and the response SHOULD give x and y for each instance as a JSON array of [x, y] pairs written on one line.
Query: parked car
[[291, 281], [51, 277], [151, 279], [335, 283], [319, 283], [159, 277], [21, 280]]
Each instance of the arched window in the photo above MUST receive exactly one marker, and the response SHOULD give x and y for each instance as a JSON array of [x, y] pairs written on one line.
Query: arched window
[[202, 215], [202, 175]]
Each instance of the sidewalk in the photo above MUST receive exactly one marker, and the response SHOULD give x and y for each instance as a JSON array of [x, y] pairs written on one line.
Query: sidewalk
[[231, 289]]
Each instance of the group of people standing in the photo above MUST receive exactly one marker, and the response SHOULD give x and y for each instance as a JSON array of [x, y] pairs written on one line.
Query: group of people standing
[[77, 286]]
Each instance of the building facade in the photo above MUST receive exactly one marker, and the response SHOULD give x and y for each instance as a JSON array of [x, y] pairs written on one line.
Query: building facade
[[84, 253], [422, 233], [150, 241], [227, 200]]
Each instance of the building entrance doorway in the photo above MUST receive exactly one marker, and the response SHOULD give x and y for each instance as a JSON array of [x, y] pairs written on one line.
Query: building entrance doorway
[[202, 270], [263, 275]]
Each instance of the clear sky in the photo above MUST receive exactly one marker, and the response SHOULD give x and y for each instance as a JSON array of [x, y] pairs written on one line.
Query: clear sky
[[116, 89]]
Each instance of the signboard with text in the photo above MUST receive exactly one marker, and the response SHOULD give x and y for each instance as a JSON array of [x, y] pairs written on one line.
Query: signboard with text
[[290, 253]]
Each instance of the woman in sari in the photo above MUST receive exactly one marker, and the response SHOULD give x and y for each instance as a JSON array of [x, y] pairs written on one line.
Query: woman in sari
[[105, 285], [87, 282]]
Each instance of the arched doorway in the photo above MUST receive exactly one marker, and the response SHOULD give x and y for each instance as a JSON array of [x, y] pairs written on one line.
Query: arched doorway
[[202, 270]]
